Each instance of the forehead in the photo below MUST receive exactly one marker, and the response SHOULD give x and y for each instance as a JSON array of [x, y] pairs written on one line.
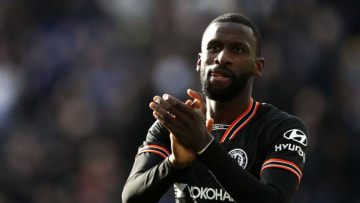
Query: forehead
[[228, 32]]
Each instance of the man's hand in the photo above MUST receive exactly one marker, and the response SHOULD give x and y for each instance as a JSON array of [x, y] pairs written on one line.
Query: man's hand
[[180, 157], [184, 120], [198, 103]]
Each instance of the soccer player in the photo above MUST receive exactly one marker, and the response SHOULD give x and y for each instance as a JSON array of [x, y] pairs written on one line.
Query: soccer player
[[230, 148]]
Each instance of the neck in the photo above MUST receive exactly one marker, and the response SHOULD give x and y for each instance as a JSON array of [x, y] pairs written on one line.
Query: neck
[[225, 112]]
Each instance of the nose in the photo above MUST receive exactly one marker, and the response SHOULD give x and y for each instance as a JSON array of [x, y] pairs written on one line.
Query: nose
[[224, 57]]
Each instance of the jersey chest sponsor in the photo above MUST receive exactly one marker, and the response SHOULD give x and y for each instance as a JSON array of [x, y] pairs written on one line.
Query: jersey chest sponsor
[[200, 193]]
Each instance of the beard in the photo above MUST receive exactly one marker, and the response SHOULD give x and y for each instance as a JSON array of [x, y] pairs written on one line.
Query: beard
[[237, 85]]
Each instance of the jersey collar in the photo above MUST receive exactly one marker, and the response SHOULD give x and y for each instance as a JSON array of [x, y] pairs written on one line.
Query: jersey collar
[[240, 121]]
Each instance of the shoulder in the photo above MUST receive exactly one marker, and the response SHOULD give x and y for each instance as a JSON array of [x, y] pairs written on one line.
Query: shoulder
[[275, 116], [157, 133], [280, 124]]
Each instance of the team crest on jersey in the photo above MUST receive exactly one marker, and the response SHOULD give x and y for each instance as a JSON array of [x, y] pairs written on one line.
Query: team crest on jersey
[[240, 156]]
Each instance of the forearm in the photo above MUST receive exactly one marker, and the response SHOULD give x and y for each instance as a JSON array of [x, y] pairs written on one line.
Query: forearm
[[149, 185], [241, 185]]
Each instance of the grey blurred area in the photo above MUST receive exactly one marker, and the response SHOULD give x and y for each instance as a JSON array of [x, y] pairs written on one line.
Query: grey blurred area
[[76, 78]]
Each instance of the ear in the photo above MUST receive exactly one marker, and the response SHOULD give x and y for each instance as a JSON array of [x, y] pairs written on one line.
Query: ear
[[198, 63], [259, 66]]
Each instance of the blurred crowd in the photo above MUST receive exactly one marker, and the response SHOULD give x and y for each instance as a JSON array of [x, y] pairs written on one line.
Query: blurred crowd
[[76, 78]]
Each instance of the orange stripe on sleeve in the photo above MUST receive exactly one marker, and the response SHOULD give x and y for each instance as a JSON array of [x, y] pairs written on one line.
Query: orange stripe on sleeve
[[283, 167], [284, 161], [153, 151], [284, 164], [157, 146]]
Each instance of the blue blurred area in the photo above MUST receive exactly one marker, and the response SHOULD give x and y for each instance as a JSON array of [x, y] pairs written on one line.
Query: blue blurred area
[[76, 78]]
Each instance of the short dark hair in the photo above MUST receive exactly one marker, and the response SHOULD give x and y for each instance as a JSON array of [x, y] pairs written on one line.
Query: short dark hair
[[238, 18]]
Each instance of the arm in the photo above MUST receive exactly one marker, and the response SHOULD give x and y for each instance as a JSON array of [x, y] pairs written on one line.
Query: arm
[[152, 173], [155, 169], [275, 185], [149, 179]]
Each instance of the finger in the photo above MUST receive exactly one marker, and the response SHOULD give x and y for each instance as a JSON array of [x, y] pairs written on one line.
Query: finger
[[160, 101], [165, 105], [189, 102], [198, 100], [193, 104], [166, 116], [176, 104], [161, 120], [209, 124], [197, 96], [194, 94], [196, 103]]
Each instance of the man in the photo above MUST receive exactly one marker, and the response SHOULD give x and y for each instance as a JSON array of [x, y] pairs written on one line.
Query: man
[[231, 149]]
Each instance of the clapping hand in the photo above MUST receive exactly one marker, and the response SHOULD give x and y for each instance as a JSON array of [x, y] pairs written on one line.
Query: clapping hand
[[189, 129]]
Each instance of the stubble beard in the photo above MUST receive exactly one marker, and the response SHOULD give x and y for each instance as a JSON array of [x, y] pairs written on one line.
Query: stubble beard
[[236, 86]]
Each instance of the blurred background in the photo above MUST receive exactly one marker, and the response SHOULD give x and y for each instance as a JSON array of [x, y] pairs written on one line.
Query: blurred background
[[76, 77]]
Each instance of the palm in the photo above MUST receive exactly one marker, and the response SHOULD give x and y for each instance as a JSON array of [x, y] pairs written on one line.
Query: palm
[[182, 155]]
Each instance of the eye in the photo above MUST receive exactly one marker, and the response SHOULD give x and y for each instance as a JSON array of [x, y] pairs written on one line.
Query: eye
[[238, 50], [214, 48]]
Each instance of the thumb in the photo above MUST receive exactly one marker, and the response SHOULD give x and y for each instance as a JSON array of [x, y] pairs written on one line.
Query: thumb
[[198, 101], [209, 124], [194, 94]]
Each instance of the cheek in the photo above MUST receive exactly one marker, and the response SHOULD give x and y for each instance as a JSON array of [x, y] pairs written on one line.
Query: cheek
[[202, 72], [202, 66], [247, 66], [207, 59]]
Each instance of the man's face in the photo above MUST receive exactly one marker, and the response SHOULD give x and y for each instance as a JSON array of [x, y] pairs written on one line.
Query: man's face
[[226, 61]]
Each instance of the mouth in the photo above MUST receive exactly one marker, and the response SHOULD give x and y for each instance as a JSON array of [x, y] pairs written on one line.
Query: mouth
[[220, 74], [220, 77]]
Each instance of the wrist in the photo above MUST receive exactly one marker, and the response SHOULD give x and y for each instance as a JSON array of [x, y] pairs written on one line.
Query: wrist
[[206, 146], [175, 164]]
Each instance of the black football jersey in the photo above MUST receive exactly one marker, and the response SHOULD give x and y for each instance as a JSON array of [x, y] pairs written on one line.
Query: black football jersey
[[263, 146]]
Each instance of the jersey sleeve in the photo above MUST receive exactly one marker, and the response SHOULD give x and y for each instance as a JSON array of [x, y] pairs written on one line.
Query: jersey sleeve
[[157, 141], [152, 174], [287, 148]]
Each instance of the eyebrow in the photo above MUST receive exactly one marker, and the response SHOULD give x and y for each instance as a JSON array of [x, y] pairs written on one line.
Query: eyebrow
[[242, 43], [213, 41]]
